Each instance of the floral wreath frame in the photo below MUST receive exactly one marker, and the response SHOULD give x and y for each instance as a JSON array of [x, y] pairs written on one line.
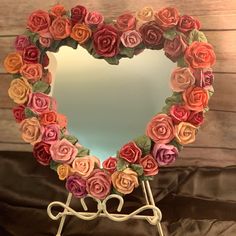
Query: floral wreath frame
[[166, 133]]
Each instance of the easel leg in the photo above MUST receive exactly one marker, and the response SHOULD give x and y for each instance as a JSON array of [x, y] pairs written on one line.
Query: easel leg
[[63, 218]]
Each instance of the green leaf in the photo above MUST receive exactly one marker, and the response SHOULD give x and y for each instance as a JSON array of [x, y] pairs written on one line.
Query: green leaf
[[88, 46], [146, 178], [54, 165], [83, 152], [127, 52], [166, 108], [56, 44], [72, 139], [112, 60], [71, 43], [175, 143], [17, 75], [121, 164], [41, 87], [137, 168], [114, 191], [181, 62], [170, 34], [196, 35], [144, 143], [174, 99], [29, 113]]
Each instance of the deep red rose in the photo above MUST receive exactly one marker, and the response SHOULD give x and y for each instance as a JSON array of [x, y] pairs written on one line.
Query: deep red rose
[[41, 153], [130, 152], [19, 113], [179, 114], [78, 14], [204, 77], [45, 62], [106, 41], [196, 118], [110, 164], [21, 42], [152, 35], [31, 54], [187, 23]]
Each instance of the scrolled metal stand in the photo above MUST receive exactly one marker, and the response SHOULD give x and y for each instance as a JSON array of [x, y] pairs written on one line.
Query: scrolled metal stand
[[154, 219]]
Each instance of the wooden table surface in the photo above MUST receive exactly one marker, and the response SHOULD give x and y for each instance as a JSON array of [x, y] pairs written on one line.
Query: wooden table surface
[[216, 141]]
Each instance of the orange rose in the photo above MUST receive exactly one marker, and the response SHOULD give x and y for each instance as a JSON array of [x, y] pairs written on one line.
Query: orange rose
[[32, 72], [58, 10], [200, 55], [195, 98], [63, 171], [13, 62], [60, 28], [49, 117], [185, 133], [125, 181], [80, 33]]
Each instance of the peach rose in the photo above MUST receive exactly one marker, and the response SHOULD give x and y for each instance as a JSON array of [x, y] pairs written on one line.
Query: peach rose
[[195, 98], [31, 130], [81, 33], [185, 133], [60, 28], [13, 62], [125, 181], [32, 72], [160, 129], [200, 55], [181, 79], [19, 91], [85, 165], [57, 10], [145, 14], [63, 171], [62, 120]]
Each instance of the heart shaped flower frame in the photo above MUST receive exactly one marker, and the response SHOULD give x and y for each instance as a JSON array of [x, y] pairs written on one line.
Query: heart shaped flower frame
[[166, 133]]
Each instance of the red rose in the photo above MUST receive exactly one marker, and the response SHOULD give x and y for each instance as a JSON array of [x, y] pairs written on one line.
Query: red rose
[[19, 113], [78, 14], [204, 77], [187, 23], [110, 164], [31, 54], [45, 62], [152, 35], [149, 164], [125, 22], [106, 41], [41, 153], [196, 118], [130, 152], [179, 113]]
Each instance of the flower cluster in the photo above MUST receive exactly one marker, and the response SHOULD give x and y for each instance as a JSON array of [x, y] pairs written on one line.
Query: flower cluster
[[176, 125]]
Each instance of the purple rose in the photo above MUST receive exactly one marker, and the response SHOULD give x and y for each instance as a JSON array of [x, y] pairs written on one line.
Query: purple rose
[[165, 154], [204, 77], [99, 184], [21, 42], [76, 185], [51, 133]]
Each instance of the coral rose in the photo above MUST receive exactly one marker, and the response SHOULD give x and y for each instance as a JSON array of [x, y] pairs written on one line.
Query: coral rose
[[94, 18], [32, 72], [13, 62], [60, 28], [57, 10], [179, 113], [149, 164], [130, 152], [48, 117], [125, 22], [110, 164], [81, 33], [188, 23]]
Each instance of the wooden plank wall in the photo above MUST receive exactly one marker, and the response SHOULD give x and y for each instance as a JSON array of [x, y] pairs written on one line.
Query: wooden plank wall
[[216, 141]]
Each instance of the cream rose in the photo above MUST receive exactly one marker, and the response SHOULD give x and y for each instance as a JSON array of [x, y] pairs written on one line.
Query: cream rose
[[63, 171]]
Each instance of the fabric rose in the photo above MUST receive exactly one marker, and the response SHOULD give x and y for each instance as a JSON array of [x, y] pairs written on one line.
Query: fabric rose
[[152, 35], [76, 185], [167, 17], [145, 14], [63, 171], [78, 14], [185, 133], [196, 118], [62, 151], [31, 54], [196, 98], [30, 130], [39, 21], [60, 28], [19, 91], [125, 181], [125, 22], [98, 184], [175, 48], [165, 154], [130, 152], [81, 33], [110, 164], [200, 55], [47, 77], [21, 42], [13, 62], [50, 133], [84, 166], [188, 23], [57, 10], [41, 152], [131, 38], [94, 18], [181, 79], [179, 113], [48, 117], [149, 164], [40, 102], [45, 42], [204, 77], [32, 72], [19, 113], [61, 120], [160, 129], [106, 41]]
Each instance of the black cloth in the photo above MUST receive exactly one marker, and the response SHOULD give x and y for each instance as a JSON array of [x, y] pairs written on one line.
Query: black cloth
[[194, 201]]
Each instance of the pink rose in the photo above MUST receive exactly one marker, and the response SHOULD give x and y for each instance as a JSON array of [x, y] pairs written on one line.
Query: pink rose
[[130, 152], [160, 129], [110, 164], [19, 113], [50, 133], [45, 42], [175, 48], [21, 42], [196, 118], [62, 151], [125, 22], [149, 164], [179, 113], [31, 54], [78, 14], [131, 38], [187, 23], [94, 18], [32, 72], [99, 184], [60, 28], [181, 79], [204, 77]]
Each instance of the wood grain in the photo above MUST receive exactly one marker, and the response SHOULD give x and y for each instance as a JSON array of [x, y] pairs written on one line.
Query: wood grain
[[19, 147]]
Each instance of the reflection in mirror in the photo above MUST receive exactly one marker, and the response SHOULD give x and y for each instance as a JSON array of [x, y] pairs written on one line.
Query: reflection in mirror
[[109, 105]]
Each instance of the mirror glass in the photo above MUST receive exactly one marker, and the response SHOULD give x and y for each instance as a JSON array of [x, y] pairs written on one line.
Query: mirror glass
[[109, 105]]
